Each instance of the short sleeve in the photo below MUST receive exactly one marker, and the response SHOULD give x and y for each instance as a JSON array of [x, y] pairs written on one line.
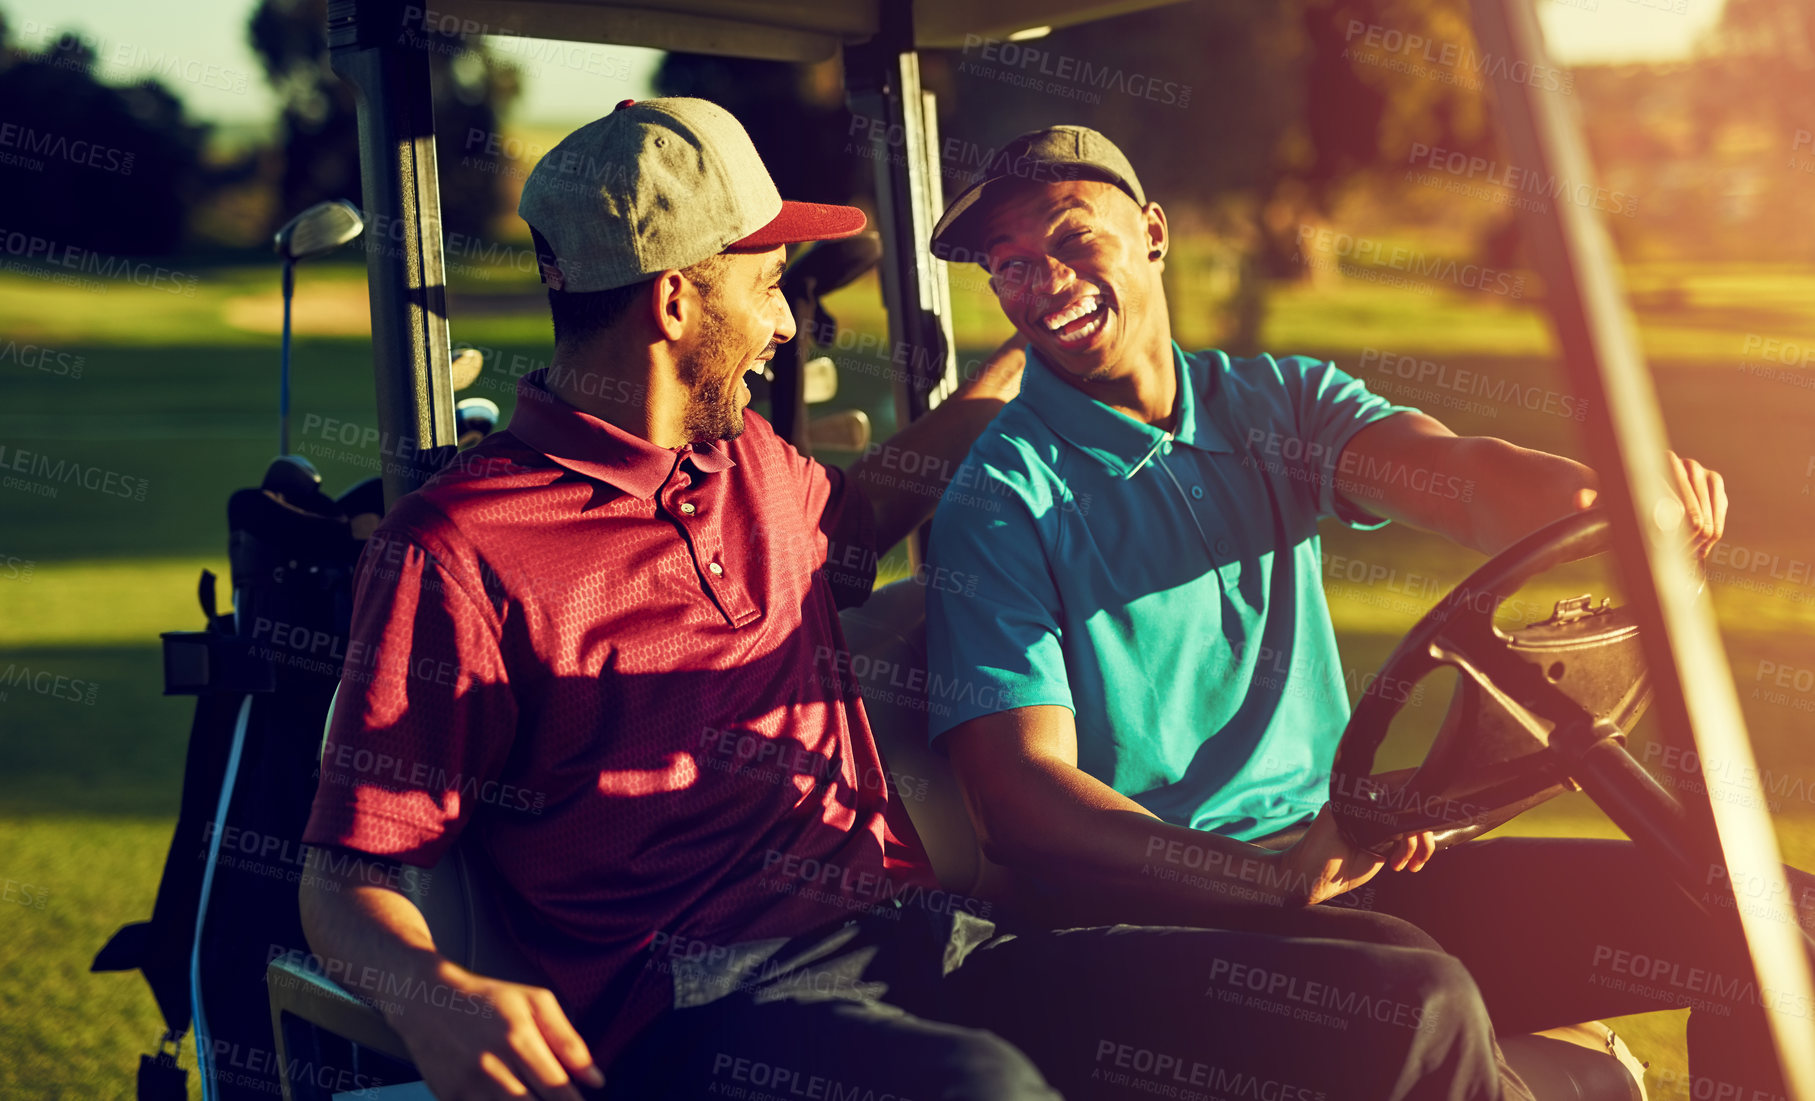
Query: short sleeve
[[843, 516], [424, 718], [993, 635], [1329, 406]]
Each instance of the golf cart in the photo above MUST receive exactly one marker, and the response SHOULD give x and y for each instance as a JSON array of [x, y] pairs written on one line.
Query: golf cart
[[1540, 710]]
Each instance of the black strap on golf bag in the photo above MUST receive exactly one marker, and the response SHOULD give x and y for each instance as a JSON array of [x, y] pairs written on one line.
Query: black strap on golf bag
[[263, 676]]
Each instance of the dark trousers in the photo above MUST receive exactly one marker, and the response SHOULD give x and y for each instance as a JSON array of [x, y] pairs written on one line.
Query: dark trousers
[[1555, 931], [1562, 930], [912, 1007]]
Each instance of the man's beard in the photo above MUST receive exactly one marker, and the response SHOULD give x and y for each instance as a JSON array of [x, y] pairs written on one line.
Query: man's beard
[[712, 412]]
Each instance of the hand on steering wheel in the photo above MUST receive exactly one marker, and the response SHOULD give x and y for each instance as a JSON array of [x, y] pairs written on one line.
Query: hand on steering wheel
[[1492, 758], [1702, 495], [1323, 864]]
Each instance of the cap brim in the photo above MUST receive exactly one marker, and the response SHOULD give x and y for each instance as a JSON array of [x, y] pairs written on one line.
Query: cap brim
[[955, 234], [948, 236], [805, 222]]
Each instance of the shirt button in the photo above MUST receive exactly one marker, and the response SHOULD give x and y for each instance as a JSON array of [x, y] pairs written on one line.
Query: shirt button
[[1165, 449], [1222, 546], [687, 507], [1197, 492], [716, 569]]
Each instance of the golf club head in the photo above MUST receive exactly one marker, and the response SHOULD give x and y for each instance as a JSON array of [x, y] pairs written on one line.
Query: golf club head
[[475, 418], [291, 472], [467, 364], [846, 430], [318, 230], [820, 380], [295, 481]]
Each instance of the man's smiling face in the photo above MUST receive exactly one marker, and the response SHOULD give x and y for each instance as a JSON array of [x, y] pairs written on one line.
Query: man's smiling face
[[744, 318], [1074, 267]]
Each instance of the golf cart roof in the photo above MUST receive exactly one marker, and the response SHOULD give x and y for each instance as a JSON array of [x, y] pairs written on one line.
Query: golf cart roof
[[777, 30]]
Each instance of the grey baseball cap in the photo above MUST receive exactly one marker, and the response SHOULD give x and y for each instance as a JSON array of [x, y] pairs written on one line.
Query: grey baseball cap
[[1052, 155], [655, 185]]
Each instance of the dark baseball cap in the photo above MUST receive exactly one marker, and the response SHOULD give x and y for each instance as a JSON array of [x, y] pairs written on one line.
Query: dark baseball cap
[[1053, 155]]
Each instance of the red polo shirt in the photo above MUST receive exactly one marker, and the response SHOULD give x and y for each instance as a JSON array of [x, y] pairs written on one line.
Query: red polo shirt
[[618, 662]]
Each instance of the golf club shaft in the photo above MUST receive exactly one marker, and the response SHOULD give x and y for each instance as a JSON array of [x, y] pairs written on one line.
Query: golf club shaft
[[283, 378]]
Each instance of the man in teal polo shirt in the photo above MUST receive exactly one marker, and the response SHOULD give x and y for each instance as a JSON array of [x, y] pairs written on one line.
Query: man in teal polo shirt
[[1139, 543], [1180, 616]]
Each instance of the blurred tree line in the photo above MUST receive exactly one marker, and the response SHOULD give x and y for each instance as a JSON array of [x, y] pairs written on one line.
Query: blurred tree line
[[99, 167], [1245, 120], [1268, 117], [318, 129], [123, 170], [1303, 111]]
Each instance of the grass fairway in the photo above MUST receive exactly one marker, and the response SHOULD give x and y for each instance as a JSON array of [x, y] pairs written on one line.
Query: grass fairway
[[175, 403], [68, 1033]]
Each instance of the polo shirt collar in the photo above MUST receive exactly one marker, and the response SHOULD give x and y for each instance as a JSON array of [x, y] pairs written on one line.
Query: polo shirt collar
[[598, 449], [1114, 439]]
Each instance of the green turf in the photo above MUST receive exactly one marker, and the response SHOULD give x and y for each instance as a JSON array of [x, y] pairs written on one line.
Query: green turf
[[172, 397], [67, 1033]]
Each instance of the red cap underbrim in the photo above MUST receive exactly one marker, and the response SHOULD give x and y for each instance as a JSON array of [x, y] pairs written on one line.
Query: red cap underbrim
[[805, 222]]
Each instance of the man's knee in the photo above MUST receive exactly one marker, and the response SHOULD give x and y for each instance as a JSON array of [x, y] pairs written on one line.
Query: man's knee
[[1434, 1023], [1373, 927], [1442, 986], [984, 1067]]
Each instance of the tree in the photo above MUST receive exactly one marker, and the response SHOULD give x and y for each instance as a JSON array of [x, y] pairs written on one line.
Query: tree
[[92, 166], [1246, 120], [1287, 107], [319, 123], [794, 114], [1762, 57]]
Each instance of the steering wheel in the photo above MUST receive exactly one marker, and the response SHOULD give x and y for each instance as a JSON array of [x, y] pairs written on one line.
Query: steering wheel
[[1580, 670]]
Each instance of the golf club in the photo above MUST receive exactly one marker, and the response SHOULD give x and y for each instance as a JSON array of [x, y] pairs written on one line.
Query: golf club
[[317, 231], [465, 367], [476, 418], [292, 477]]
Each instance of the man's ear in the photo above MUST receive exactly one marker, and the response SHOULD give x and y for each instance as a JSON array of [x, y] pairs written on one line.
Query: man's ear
[[672, 302], [1159, 239]]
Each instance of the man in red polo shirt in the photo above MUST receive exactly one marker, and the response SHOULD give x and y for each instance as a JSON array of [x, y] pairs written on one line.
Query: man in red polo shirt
[[607, 640]]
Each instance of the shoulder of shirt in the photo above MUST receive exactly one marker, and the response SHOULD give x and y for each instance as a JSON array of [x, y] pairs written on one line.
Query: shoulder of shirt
[[474, 480], [1017, 462], [759, 438], [416, 519], [1242, 390], [1259, 371], [1017, 450], [762, 457]]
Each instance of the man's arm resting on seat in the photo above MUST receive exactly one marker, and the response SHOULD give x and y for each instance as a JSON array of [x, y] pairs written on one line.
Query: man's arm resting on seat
[[471, 1037], [1036, 812]]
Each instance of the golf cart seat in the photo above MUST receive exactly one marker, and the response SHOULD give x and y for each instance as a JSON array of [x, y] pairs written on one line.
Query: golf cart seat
[[887, 642]]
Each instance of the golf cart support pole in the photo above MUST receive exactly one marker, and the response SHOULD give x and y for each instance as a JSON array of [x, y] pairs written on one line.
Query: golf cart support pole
[[882, 82], [368, 42], [1696, 701]]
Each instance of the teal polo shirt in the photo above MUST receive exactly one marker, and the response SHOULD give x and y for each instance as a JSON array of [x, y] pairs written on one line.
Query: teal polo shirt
[[1165, 587]]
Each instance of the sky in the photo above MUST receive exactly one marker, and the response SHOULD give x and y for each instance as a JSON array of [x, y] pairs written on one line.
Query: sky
[[204, 56]]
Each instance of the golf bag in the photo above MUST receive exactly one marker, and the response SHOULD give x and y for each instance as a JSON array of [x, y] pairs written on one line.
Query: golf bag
[[264, 674]]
